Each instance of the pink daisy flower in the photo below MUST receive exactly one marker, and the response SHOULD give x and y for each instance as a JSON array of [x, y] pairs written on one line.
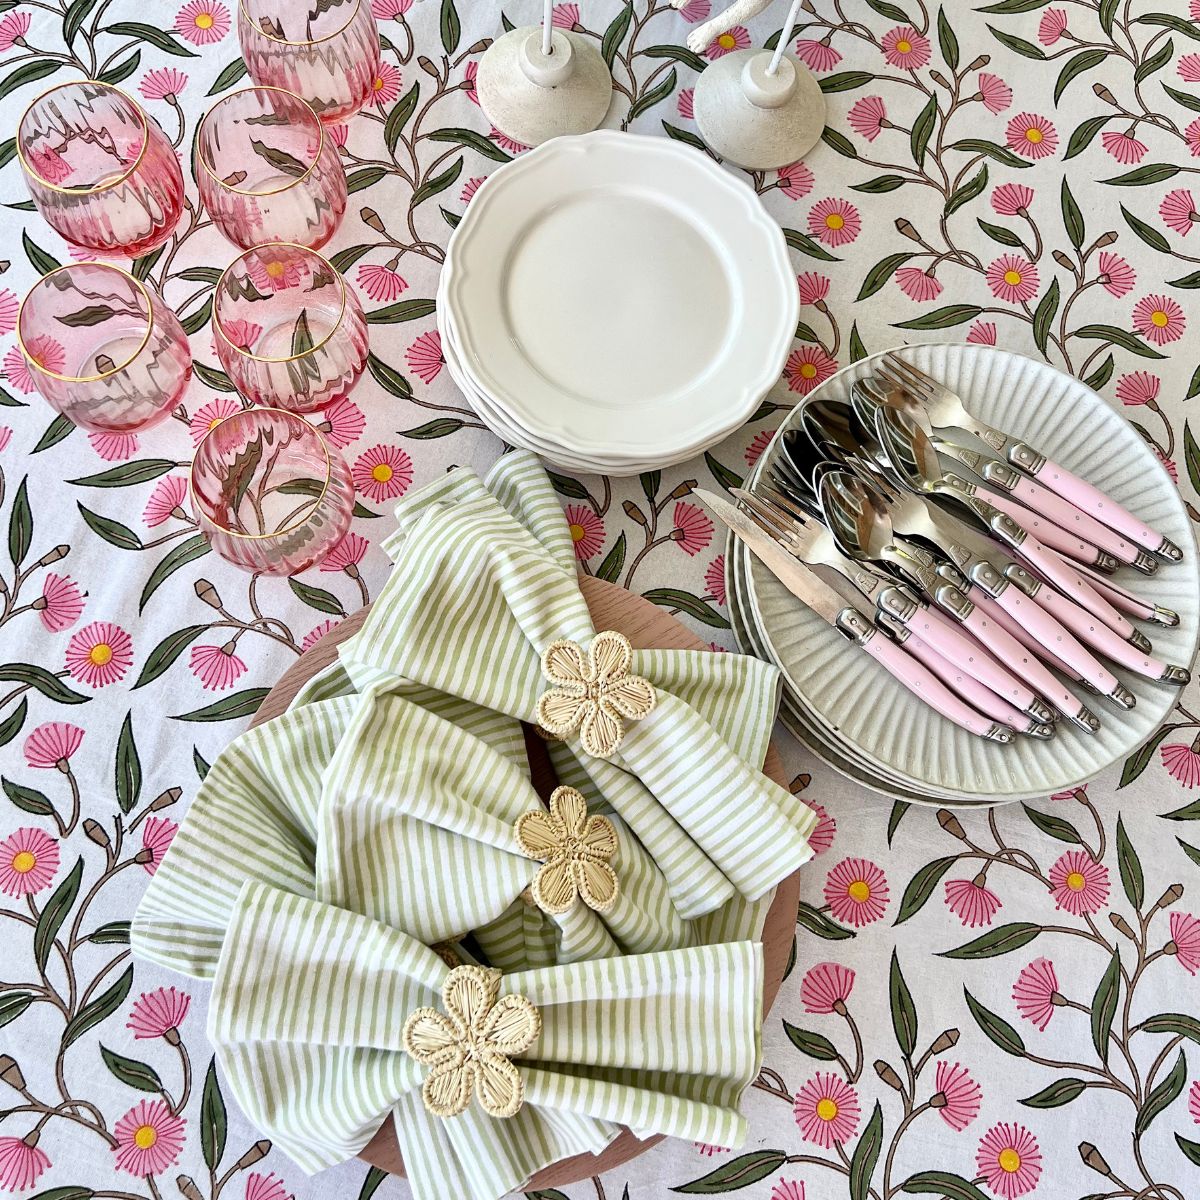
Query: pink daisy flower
[[46, 352], [714, 580], [826, 987], [693, 528], [695, 11], [685, 103], [342, 423], [795, 180], [808, 367], [315, 634], [470, 73], [470, 188], [242, 334], [8, 312], [505, 142], [982, 333], [1185, 933], [821, 835], [339, 132], [994, 92], [162, 82], [1138, 387], [14, 27], [1009, 1159], [114, 447], [157, 835], [737, 38], [1182, 763], [866, 117], [813, 287], [1014, 278], [856, 891], [266, 1187], [28, 861], [158, 1014], [424, 356], [1031, 135], [48, 164], [202, 22], [564, 16], [1052, 26], [1036, 991], [21, 1161], [817, 56], [1189, 68], [149, 1138], [349, 552], [918, 285], [971, 902], [61, 602], [1178, 210], [958, 1095], [788, 1189], [1078, 883], [1116, 276], [383, 472], [387, 84], [1009, 199], [166, 500], [1159, 319], [1124, 147], [52, 744], [381, 283], [834, 221], [209, 415], [99, 654], [587, 530], [271, 275], [826, 1110], [1191, 135], [217, 667], [389, 10], [1168, 464], [904, 47], [758, 444]]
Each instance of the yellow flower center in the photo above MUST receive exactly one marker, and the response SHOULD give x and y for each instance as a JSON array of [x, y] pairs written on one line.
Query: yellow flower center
[[23, 862], [378, 84], [144, 1137], [807, 371], [1033, 134], [834, 221], [275, 269], [381, 473], [100, 655], [578, 533], [1159, 318], [1012, 278], [1076, 882], [727, 41], [204, 20], [1009, 1160], [904, 46], [215, 422], [827, 1109], [859, 890]]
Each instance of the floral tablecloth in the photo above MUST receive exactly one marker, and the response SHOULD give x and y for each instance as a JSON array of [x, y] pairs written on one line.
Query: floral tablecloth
[[992, 1004]]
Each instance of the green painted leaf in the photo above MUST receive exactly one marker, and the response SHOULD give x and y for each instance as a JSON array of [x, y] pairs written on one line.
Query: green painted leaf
[[441, 427], [1104, 1005], [1143, 175], [111, 531], [158, 38], [77, 12], [1003, 939], [389, 378], [1001, 154], [213, 1123], [14, 722], [439, 183], [1101, 375], [942, 318], [1189, 1150], [922, 129], [1017, 45], [130, 1072], [1188, 101], [27, 799], [942, 1183], [374, 1177], [1193, 852], [969, 190], [472, 140], [879, 274], [1073, 220], [881, 183], [997, 1030], [866, 1150], [68, 1192], [451, 27], [1107, 14], [815, 921], [683, 135], [38, 258], [345, 258], [1008, 7], [1163, 1095], [400, 115], [1191, 280], [228, 708], [41, 680], [1085, 60], [1130, 866], [1147, 233], [230, 74], [1055, 1095], [618, 27], [1168, 21], [1052, 826], [680, 54], [656, 95], [564, 485], [802, 242], [1139, 760], [112, 933], [166, 652], [807, 1041], [20, 524], [845, 81], [180, 555], [97, 1010], [1155, 62], [1044, 315], [838, 142], [736, 1173], [899, 809], [1189, 812], [680, 601], [947, 41], [316, 597], [1119, 337], [1180, 1024], [28, 73], [200, 763], [1085, 133], [998, 233], [922, 884], [13, 1004], [213, 378], [128, 474], [128, 770], [725, 476], [904, 1011], [855, 348], [614, 561], [365, 177], [402, 310], [893, 12]]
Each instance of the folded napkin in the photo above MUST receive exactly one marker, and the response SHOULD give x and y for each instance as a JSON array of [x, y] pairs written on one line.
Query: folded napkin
[[326, 1021], [485, 605]]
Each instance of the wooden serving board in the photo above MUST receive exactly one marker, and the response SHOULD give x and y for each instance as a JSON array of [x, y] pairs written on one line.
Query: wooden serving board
[[647, 627]]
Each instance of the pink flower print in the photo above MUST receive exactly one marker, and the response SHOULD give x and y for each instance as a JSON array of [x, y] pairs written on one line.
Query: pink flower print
[[274, 274], [918, 285], [382, 473], [788, 1189], [856, 891], [564, 16], [162, 82], [342, 423], [904, 47], [795, 180], [1185, 937], [587, 530], [1182, 762], [1031, 135], [693, 528], [348, 553], [5, 436], [51, 745], [957, 1097], [867, 116], [44, 351], [1138, 387], [470, 73], [470, 188], [114, 447], [424, 357], [505, 142], [1078, 883], [48, 164], [381, 283], [1168, 463], [1010, 199], [1052, 26], [737, 38], [242, 334], [1124, 147], [339, 132], [1117, 277], [149, 1138], [982, 333], [813, 287], [202, 22], [834, 221], [8, 312], [266, 1187], [158, 1014], [1194, 1100], [1189, 68], [13, 28], [209, 415], [708, 1150], [60, 604], [1159, 319], [1009, 1159], [21, 1160], [1036, 992], [389, 10], [821, 835], [971, 902], [157, 835], [315, 634], [826, 1110], [759, 443], [685, 103], [808, 367], [217, 667], [1191, 135], [695, 11], [1014, 278], [99, 654], [387, 84], [166, 501], [994, 92], [28, 861], [1178, 210], [826, 987], [817, 56], [714, 580]]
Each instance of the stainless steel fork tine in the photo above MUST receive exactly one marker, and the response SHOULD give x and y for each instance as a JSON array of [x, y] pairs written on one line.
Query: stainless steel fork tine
[[894, 374], [761, 522], [892, 359], [793, 510], [771, 519]]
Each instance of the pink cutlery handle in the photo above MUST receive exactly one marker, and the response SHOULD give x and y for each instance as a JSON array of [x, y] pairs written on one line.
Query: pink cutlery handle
[[1125, 600], [1041, 499], [1042, 527], [928, 688]]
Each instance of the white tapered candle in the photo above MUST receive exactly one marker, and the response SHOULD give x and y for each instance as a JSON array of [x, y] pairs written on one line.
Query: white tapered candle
[[784, 37], [547, 27]]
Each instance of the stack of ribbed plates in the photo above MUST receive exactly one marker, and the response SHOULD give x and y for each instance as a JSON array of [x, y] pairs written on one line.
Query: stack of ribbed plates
[[616, 303], [857, 718]]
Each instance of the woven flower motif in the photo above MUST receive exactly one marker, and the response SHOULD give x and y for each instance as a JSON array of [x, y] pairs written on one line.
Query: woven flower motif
[[574, 849], [593, 692], [470, 1045]]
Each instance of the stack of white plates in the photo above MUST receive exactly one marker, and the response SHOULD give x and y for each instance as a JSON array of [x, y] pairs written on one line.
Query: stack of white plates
[[854, 716], [616, 303]]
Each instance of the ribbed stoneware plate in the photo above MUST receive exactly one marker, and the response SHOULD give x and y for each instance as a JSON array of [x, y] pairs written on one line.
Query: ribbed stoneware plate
[[876, 721], [620, 296]]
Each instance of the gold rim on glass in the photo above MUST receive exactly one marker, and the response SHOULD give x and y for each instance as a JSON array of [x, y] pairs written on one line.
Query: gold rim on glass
[[284, 41], [33, 362], [258, 537], [274, 191], [93, 189], [291, 357]]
